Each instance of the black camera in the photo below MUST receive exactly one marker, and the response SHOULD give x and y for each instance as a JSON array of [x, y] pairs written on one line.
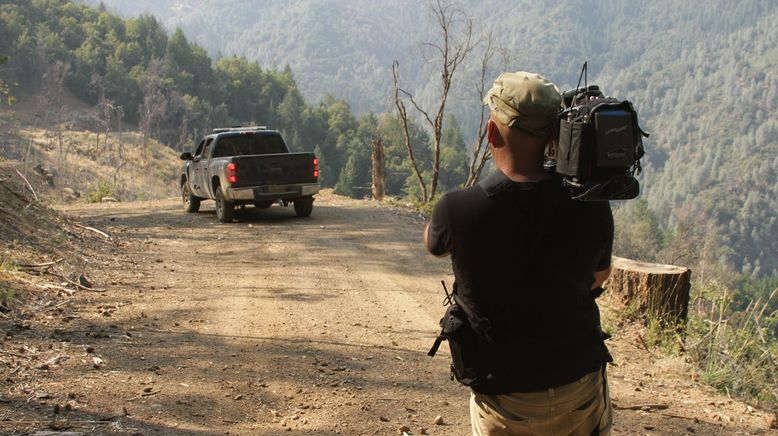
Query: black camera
[[600, 145]]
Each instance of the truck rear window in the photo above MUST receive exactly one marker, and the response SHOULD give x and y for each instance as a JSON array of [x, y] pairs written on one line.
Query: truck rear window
[[246, 145]]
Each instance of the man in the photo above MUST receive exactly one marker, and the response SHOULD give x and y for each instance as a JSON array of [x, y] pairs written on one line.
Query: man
[[528, 262]]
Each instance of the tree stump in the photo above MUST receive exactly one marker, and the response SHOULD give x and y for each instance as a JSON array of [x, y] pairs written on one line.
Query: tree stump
[[660, 290]]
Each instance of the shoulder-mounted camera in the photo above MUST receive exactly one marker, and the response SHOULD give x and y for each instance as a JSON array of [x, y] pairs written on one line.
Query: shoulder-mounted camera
[[600, 145]]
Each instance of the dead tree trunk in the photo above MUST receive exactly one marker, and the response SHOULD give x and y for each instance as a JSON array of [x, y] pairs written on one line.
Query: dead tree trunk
[[661, 290], [378, 169]]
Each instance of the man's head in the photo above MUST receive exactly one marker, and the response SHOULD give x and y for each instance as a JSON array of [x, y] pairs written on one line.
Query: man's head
[[523, 106]]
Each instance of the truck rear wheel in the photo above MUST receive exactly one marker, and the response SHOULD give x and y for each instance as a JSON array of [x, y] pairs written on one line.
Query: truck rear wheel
[[303, 206], [224, 209], [191, 203]]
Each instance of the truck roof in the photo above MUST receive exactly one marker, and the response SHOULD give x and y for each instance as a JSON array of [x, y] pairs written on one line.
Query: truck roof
[[238, 129]]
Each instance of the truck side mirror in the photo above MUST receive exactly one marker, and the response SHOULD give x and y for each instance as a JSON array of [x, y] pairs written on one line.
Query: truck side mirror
[[186, 156]]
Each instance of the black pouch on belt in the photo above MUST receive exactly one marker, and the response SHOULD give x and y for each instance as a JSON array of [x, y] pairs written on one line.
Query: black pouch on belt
[[464, 343]]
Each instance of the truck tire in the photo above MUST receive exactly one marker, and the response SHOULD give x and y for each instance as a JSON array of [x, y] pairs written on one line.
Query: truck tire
[[191, 203], [303, 206], [224, 209]]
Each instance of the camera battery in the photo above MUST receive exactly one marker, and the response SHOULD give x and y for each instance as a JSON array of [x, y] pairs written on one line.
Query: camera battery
[[615, 138]]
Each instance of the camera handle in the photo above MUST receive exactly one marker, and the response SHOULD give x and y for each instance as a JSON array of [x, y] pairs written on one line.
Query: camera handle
[[584, 75]]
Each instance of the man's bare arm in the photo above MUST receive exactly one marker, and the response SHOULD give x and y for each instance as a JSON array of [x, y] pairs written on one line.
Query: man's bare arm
[[600, 277], [426, 242]]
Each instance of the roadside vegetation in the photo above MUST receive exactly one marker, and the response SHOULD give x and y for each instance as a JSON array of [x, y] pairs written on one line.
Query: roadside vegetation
[[731, 335], [734, 349]]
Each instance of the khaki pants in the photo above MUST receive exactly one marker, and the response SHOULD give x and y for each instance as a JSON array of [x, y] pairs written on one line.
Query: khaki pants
[[572, 409]]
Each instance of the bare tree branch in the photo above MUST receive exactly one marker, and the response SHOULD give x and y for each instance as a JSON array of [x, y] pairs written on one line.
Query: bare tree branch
[[437, 48], [480, 153], [454, 54], [450, 52], [54, 80], [418, 108], [155, 103], [404, 118]]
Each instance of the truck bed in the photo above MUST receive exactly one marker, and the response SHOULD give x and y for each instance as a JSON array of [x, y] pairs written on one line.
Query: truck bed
[[274, 169]]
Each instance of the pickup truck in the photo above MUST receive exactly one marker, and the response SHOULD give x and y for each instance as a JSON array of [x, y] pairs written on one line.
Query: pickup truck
[[247, 165]]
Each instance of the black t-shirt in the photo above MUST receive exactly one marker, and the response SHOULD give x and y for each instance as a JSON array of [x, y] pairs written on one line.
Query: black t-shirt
[[524, 257]]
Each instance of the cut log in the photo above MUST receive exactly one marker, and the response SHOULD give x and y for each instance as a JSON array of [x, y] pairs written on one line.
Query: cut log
[[656, 289]]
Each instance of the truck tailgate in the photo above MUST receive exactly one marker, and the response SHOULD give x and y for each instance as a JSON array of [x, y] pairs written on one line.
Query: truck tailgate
[[274, 169]]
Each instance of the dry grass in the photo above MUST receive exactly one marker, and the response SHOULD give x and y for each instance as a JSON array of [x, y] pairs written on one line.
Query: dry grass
[[119, 167], [735, 351]]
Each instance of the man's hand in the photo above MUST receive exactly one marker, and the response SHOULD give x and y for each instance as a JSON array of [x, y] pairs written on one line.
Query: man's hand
[[600, 277]]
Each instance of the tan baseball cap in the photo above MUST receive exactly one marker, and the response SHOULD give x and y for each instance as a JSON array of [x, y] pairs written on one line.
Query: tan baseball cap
[[525, 101]]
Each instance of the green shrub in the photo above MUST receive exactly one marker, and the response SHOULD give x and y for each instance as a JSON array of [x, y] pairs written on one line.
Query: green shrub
[[664, 335], [7, 266], [426, 208], [6, 294], [413, 203], [98, 191]]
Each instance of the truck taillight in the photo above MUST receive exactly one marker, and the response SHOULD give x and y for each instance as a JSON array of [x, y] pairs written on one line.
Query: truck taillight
[[232, 172], [316, 168]]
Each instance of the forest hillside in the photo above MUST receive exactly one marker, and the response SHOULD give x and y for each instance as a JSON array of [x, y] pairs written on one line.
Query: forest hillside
[[703, 76]]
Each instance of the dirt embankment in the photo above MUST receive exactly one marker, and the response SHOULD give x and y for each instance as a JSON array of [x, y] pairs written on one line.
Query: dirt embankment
[[278, 325]]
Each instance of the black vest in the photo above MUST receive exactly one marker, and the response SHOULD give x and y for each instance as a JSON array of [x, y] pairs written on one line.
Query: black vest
[[524, 256]]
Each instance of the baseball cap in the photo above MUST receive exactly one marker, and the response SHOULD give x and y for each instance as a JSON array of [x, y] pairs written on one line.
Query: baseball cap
[[524, 101]]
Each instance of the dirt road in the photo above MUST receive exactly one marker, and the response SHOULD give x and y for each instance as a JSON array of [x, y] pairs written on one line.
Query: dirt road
[[276, 325]]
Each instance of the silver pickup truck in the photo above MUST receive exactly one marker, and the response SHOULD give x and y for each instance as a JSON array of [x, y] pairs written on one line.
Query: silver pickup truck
[[248, 165]]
